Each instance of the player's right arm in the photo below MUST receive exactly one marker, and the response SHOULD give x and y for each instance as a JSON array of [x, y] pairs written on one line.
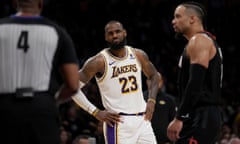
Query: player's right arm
[[93, 66]]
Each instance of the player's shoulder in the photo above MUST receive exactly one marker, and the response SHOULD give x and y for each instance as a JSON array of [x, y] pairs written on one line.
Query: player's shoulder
[[200, 38], [200, 41], [134, 49], [97, 59], [95, 63], [137, 51]]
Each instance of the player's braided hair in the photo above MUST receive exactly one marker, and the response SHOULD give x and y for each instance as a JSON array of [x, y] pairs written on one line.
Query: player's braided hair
[[200, 10]]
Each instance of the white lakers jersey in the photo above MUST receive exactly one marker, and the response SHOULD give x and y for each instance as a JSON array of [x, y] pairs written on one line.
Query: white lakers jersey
[[121, 84]]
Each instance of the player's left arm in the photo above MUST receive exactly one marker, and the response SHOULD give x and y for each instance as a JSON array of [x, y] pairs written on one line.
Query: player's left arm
[[152, 75]]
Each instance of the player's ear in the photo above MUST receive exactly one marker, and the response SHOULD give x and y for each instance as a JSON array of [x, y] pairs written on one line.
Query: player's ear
[[125, 33], [105, 37]]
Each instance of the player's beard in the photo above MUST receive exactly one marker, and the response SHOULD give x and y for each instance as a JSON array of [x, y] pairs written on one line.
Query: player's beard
[[178, 35], [117, 46]]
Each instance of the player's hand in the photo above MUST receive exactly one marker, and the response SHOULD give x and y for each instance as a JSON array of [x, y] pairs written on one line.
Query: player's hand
[[149, 110], [109, 118], [174, 128]]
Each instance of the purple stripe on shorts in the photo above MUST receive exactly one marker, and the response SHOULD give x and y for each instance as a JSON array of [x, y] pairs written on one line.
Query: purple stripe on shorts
[[111, 134]]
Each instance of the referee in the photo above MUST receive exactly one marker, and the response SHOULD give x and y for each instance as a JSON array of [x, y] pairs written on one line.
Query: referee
[[36, 57]]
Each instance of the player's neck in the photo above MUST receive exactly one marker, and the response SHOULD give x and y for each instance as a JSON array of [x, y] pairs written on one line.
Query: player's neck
[[193, 31], [118, 53], [27, 13]]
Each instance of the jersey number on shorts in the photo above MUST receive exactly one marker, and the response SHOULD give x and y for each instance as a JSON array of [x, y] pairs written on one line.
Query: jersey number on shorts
[[126, 88], [23, 41]]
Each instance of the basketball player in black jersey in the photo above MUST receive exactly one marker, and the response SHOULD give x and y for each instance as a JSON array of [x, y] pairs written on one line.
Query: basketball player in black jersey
[[36, 57], [198, 119]]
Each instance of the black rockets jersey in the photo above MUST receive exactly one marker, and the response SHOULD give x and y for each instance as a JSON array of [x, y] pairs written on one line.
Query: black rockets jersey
[[31, 51], [211, 94]]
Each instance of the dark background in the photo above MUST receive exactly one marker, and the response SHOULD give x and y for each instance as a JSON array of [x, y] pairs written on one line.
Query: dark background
[[148, 23]]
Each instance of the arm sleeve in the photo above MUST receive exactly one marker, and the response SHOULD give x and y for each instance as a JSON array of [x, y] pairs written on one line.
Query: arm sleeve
[[193, 91], [81, 100]]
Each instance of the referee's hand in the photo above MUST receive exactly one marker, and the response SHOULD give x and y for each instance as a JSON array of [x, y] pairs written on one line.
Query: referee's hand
[[109, 118]]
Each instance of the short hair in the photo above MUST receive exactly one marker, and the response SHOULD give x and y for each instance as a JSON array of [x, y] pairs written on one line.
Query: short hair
[[199, 9], [26, 3], [113, 22]]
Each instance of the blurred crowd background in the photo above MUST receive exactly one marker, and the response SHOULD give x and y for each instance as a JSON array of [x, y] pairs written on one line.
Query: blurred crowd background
[[148, 23]]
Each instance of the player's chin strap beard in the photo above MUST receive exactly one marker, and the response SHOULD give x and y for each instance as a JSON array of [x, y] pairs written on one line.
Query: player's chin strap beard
[[117, 46]]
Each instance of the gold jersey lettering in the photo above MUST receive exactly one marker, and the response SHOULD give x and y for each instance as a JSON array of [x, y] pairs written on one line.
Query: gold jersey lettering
[[123, 69]]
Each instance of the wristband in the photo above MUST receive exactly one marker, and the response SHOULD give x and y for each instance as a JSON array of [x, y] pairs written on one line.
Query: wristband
[[94, 113], [151, 100]]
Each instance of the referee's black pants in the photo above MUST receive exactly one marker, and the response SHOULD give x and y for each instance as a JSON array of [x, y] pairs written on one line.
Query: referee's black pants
[[29, 120]]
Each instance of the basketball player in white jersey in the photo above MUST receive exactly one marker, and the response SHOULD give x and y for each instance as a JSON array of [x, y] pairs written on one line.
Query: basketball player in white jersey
[[117, 70]]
